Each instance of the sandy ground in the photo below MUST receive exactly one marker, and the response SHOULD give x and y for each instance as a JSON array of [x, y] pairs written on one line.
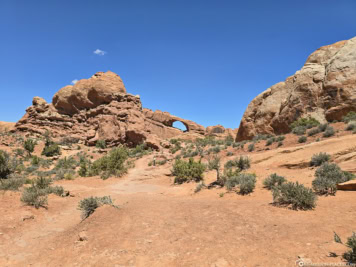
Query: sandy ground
[[160, 224]]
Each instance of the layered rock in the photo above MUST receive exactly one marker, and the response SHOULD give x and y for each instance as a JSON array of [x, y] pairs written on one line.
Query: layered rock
[[220, 131], [100, 109], [325, 88]]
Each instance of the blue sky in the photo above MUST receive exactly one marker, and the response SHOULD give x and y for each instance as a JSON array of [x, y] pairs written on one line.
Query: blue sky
[[201, 60]]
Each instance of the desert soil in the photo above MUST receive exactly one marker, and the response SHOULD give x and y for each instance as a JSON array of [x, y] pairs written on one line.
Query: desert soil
[[161, 224]]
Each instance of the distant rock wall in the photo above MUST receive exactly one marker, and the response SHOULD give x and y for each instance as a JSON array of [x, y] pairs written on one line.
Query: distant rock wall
[[100, 109], [325, 88]]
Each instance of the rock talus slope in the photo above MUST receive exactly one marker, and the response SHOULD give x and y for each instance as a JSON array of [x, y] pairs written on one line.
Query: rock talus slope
[[99, 108], [325, 88]]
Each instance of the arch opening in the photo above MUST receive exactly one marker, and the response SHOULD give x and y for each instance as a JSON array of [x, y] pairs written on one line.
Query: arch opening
[[180, 126]]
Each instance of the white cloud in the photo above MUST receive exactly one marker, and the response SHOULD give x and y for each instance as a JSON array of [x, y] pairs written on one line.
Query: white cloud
[[99, 52], [74, 81]]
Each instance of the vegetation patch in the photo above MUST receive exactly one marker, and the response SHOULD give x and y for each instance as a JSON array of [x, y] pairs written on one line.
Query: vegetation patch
[[349, 256], [186, 171], [305, 122], [319, 159], [243, 183], [295, 195], [90, 204], [273, 180], [327, 176]]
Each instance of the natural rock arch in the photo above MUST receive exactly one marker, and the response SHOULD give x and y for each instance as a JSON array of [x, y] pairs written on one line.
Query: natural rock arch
[[171, 124]]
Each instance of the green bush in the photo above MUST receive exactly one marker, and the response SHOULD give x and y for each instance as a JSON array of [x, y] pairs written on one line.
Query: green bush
[[51, 150], [66, 163], [112, 164], [29, 145], [34, 196], [269, 141], [329, 131], [5, 165], [245, 182], [351, 116], [318, 159], [251, 147], [302, 139], [139, 151], [273, 180], [322, 127], [185, 171], [101, 144], [349, 256], [280, 143], [295, 195], [351, 126], [199, 187], [13, 183], [313, 131], [300, 130], [280, 138], [242, 163], [90, 204], [327, 176], [305, 122]]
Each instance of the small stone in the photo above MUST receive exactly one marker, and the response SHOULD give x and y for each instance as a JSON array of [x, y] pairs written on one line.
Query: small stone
[[83, 236]]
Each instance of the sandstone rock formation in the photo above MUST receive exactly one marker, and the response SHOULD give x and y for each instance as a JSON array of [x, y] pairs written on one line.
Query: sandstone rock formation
[[220, 131], [100, 109], [325, 88]]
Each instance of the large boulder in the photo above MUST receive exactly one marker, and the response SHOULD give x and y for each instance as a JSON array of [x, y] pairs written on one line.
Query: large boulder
[[100, 109], [325, 88]]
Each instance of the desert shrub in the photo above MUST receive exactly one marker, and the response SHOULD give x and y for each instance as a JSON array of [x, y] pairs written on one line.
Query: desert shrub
[[185, 171], [349, 256], [322, 127], [242, 163], [139, 151], [19, 152], [29, 145], [351, 116], [101, 144], [327, 176], [260, 137], [305, 122], [269, 141], [229, 153], [12, 184], [5, 165], [329, 131], [273, 180], [190, 154], [302, 139], [57, 190], [245, 182], [280, 138], [215, 149], [313, 131], [90, 204], [280, 143], [34, 196], [67, 163], [318, 159], [35, 160], [300, 130], [351, 126], [51, 150], [214, 164], [64, 174], [42, 182], [251, 147], [112, 164], [295, 195], [69, 141]]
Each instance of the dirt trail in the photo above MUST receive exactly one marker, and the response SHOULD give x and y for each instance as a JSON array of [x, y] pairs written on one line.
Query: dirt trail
[[159, 224]]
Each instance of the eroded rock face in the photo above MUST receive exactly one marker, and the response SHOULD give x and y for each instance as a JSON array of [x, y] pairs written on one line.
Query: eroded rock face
[[220, 131], [100, 109], [325, 88]]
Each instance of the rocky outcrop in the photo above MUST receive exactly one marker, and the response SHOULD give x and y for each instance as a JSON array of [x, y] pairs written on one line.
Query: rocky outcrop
[[100, 109], [325, 88], [220, 131]]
